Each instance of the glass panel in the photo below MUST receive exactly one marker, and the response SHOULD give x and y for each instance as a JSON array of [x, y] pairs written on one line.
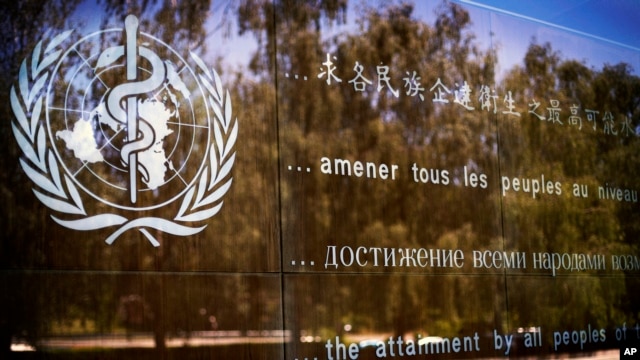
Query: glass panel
[[566, 194], [124, 314], [388, 160], [178, 197], [390, 316], [570, 314], [314, 180]]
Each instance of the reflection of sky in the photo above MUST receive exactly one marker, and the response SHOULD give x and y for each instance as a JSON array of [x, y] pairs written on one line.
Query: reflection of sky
[[595, 32], [613, 20], [223, 40]]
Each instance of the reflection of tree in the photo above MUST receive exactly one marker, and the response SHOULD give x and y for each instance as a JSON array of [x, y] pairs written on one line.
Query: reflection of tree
[[51, 301], [180, 24], [571, 225], [21, 221], [373, 125], [337, 121]]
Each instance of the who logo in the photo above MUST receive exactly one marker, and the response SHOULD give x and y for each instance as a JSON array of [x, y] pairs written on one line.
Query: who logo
[[121, 132]]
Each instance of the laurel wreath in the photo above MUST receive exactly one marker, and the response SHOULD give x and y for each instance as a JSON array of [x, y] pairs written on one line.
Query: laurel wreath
[[58, 191]]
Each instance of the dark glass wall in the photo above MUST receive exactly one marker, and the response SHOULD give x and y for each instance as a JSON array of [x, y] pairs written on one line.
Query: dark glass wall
[[302, 180]]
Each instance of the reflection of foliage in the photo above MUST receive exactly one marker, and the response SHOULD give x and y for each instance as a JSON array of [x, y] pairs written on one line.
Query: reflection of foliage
[[20, 27], [181, 23], [372, 125], [81, 297], [133, 312], [22, 309], [588, 157]]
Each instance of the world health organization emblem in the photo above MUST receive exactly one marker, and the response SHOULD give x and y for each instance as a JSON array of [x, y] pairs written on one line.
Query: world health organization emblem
[[132, 127]]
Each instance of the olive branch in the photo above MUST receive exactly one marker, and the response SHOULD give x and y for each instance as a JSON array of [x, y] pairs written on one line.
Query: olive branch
[[202, 201], [40, 164], [221, 154]]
